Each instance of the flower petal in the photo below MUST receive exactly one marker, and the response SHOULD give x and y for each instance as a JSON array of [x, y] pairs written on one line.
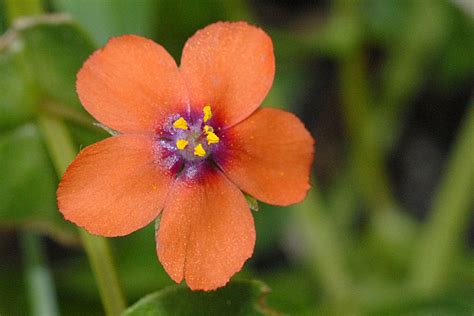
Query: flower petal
[[269, 156], [114, 187], [229, 66], [206, 231], [131, 84]]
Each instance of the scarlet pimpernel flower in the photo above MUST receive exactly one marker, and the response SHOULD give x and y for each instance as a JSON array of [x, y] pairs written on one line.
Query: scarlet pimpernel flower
[[190, 141]]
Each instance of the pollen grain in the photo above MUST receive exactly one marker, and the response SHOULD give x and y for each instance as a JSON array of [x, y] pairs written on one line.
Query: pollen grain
[[181, 144], [207, 113], [199, 151], [180, 123], [212, 138]]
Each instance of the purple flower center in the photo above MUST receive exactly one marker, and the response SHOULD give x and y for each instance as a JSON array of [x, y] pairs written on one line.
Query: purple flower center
[[186, 142]]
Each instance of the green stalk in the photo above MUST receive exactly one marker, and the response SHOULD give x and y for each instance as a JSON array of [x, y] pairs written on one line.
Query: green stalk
[[450, 213], [38, 279], [404, 72], [62, 152], [367, 161], [342, 199], [324, 250]]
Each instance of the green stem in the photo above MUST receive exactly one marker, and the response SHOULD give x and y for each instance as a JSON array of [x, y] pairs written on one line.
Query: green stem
[[41, 291], [450, 214], [404, 72], [324, 249], [342, 199], [101, 259], [38, 279], [62, 152], [368, 166]]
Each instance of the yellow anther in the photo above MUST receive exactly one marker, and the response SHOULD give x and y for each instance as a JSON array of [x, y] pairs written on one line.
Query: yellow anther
[[180, 123], [181, 144], [207, 113], [212, 138], [208, 129], [199, 151]]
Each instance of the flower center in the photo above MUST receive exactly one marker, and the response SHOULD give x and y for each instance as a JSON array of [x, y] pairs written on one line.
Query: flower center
[[194, 140]]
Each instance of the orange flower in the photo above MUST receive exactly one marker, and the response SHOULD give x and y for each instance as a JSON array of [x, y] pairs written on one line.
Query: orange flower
[[190, 139]]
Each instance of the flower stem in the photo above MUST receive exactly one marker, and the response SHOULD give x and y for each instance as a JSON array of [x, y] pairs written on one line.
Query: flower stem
[[450, 213], [368, 165], [404, 71], [62, 152], [41, 291], [38, 278], [325, 251], [100, 257]]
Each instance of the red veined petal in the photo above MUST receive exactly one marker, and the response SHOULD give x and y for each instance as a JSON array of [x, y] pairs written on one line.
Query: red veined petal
[[115, 186], [269, 156], [131, 85], [229, 66], [206, 231]]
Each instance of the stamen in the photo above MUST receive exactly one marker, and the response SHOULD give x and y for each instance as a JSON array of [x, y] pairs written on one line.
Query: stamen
[[208, 129], [212, 138], [199, 151], [181, 144], [180, 123], [207, 113]]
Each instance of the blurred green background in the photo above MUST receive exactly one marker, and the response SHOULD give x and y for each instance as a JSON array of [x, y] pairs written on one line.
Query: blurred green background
[[385, 87]]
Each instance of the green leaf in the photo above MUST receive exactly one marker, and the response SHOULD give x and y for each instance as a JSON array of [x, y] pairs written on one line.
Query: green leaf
[[13, 299], [252, 202], [39, 59], [178, 20], [107, 18], [3, 18], [28, 185], [169, 22], [18, 95], [293, 292], [385, 19], [55, 49], [270, 236], [459, 305], [237, 298], [455, 60]]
